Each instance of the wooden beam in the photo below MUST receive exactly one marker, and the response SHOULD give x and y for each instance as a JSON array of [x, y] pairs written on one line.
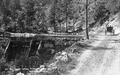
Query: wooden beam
[[32, 35], [28, 51], [6, 47], [39, 46], [53, 36]]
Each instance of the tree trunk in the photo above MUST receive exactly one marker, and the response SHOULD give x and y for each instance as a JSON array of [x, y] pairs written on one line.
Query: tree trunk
[[87, 35]]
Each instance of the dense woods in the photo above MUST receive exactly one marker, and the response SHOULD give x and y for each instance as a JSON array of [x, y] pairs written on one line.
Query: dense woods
[[52, 16], [36, 16]]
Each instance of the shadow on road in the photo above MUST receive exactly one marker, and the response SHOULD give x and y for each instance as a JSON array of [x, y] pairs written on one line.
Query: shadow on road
[[102, 48], [87, 47], [83, 45]]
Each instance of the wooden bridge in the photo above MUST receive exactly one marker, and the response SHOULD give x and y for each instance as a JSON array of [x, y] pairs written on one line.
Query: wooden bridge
[[30, 37]]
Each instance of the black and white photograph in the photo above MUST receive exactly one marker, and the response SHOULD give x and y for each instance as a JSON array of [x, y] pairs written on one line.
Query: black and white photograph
[[59, 37]]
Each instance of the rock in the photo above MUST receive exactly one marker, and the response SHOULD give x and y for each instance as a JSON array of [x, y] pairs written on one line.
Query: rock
[[20, 73], [62, 57], [40, 69]]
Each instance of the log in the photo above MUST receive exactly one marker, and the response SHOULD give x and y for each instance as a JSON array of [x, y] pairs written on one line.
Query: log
[[28, 35], [41, 36]]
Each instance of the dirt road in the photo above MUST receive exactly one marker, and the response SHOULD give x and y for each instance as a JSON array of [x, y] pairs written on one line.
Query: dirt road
[[103, 58]]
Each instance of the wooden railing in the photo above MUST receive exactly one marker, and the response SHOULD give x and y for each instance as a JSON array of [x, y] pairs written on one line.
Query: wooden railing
[[40, 36]]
